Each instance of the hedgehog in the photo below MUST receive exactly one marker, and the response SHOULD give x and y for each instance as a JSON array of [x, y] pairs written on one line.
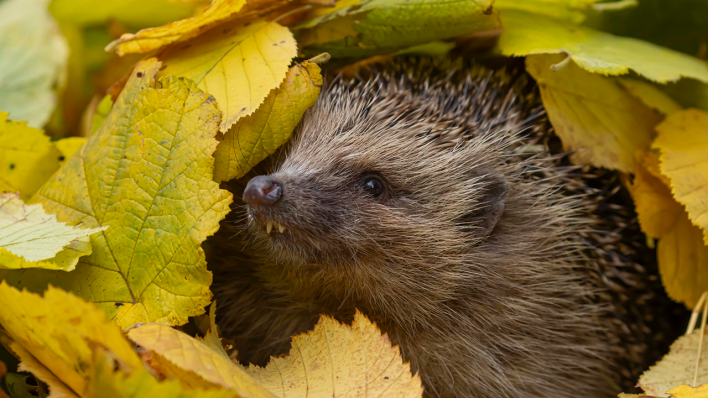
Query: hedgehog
[[436, 200]]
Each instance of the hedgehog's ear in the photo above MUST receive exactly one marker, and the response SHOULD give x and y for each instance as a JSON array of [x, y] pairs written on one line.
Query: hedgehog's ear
[[496, 192]]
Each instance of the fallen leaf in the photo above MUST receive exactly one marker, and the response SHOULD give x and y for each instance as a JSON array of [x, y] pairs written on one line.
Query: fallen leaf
[[147, 174], [55, 331], [656, 209], [33, 56], [676, 368], [195, 364], [107, 382], [238, 65], [374, 27], [593, 115], [650, 96], [101, 113], [212, 338], [597, 52], [683, 141], [57, 388], [27, 158], [571, 10], [128, 12], [153, 38], [685, 391], [682, 258], [29, 238], [68, 146], [340, 360], [257, 136], [18, 386]]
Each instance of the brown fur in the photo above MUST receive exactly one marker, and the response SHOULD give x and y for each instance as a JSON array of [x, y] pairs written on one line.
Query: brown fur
[[509, 312]]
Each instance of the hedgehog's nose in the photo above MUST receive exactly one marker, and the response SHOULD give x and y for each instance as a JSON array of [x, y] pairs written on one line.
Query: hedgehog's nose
[[263, 191]]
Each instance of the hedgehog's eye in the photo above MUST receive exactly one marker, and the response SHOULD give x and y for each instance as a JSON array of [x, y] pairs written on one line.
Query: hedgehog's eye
[[373, 185]]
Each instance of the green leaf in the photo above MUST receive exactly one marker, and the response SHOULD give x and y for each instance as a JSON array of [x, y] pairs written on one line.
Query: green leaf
[[146, 173], [595, 51], [570, 10], [29, 238], [384, 26], [256, 137], [33, 56]]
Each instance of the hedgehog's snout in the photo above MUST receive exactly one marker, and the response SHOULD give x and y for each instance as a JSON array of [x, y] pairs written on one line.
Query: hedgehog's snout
[[263, 191]]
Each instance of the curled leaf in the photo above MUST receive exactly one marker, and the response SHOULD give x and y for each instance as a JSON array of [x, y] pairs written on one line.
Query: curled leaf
[[255, 137], [147, 174], [340, 360]]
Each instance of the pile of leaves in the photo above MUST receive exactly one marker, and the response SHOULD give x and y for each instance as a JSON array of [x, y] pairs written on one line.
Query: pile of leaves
[[119, 119]]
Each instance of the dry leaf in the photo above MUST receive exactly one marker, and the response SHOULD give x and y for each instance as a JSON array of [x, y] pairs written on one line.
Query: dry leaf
[[593, 115], [650, 96], [257, 136], [676, 368], [685, 391], [683, 141], [340, 360]]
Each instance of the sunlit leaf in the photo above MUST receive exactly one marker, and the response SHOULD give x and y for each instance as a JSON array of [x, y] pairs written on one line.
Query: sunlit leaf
[[29, 238], [238, 65], [33, 55], [676, 368], [255, 137], [56, 330], [150, 39], [27, 158], [146, 173], [373, 27], [340, 360], [131, 12], [195, 364], [598, 52], [683, 141], [685, 391], [571, 10], [592, 114]]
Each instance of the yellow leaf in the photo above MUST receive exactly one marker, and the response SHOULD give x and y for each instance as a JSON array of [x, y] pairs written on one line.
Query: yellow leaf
[[238, 65], [56, 330], [340, 360], [128, 12], [29, 238], [106, 381], [676, 368], [27, 158], [33, 58], [101, 112], [685, 391], [257, 136], [593, 114], [57, 388], [650, 96], [656, 208], [153, 38], [191, 355], [571, 10], [212, 338], [68, 146], [146, 173], [595, 51], [682, 258], [683, 141]]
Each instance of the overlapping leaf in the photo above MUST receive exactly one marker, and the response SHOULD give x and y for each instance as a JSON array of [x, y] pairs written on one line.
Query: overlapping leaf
[[341, 360], [68, 147], [683, 141], [146, 173], [193, 362], [27, 158], [33, 56], [239, 65], [650, 95], [676, 368], [52, 335], [29, 238], [571, 10], [593, 115], [130, 12], [685, 391], [656, 208], [598, 52], [372, 27], [255, 137]]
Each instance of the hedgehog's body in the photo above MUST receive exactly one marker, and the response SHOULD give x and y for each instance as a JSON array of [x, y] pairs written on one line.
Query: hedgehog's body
[[422, 206]]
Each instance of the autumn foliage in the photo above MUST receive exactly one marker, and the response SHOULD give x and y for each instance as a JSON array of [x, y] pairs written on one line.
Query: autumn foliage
[[119, 120]]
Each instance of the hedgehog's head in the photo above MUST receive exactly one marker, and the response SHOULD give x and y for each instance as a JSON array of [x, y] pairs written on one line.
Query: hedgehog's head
[[371, 204]]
